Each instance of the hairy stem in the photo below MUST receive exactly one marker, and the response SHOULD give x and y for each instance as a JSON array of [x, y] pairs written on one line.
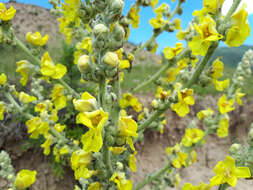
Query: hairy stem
[[152, 177], [202, 65], [161, 71]]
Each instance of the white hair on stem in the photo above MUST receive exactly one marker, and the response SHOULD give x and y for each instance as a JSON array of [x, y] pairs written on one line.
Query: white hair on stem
[[227, 4]]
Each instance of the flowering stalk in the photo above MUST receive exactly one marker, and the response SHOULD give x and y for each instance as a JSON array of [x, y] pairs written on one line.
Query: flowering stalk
[[202, 65], [153, 177]]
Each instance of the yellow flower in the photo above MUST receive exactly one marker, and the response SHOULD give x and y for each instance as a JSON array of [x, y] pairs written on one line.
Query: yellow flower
[[37, 127], [127, 127], [222, 131], [225, 105], [58, 152], [79, 161], [221, 85], [40, 107], [95, 121], [238, 96], [26, 98], [2, 108], [217, 69], [54, 115], [177, 24], [157, 22], [205, 113], [134, 16], [122, 183], [6, 15], [23, 69], [239, 30], [180, 160], [49, 69], [192, 136], [185, 99], [87, 103], [162, 8], [206, 34], [80, 158], [58, 98], [129, 100], [24, 179], [58, 127], [170, 53], [227, 172], [85, 45], [46, 145], [117, 150], [132, 162], [95, 186], [36, 38], [3, 79], [181, 35], [212, 5], [153, 3]]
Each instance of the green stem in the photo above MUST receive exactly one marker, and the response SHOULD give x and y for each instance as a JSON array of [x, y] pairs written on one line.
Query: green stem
[[152, 177], [38, 62], [223, 187], [202, 65], [146, 44], [27, 51], [232, 9], [161, 71]]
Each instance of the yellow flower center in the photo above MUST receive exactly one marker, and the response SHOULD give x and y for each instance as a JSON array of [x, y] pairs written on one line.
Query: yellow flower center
[[228, 174]]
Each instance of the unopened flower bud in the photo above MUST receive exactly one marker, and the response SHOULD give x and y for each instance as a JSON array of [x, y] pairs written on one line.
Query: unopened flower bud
[[117, 5], [100, 29], [155, 104], [85, 105], [120, 166], [234, 148], [118, 32], [111, 58], [83, 63]]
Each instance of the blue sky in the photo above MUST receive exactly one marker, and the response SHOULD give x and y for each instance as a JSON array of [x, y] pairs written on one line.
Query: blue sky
[[144, 31]]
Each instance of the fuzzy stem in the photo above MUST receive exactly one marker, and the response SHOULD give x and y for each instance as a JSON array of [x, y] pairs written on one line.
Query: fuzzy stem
[[202, 65], [152, 177], [161, 71], [223, 187]]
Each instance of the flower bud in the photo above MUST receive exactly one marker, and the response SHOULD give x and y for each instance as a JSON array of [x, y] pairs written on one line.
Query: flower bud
[[83, 63], [100, 29], [120, 166], [118, 32], [155, 104], [85, 105], [117, 5], [111, 59], [234, 148]]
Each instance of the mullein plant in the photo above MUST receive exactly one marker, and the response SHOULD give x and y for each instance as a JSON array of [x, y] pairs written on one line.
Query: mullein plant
[[104, 156]]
